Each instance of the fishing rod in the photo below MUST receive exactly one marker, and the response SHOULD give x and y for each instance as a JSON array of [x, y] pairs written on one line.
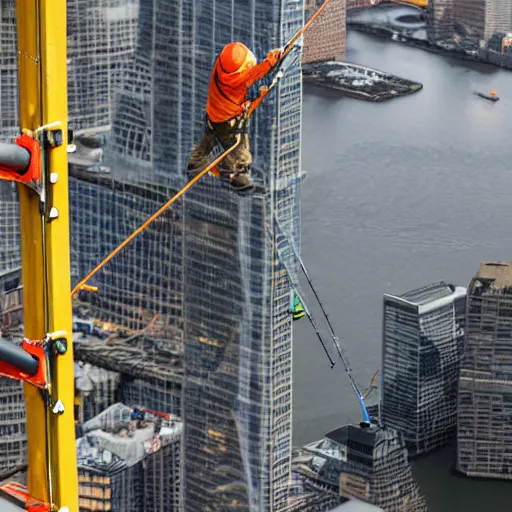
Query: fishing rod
[[297, 289], [313, 323], [335, 338], [300, 33], [250, 108], [287, 49]]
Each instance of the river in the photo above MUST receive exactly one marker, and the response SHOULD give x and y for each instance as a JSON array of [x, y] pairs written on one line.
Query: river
[[398, 195]]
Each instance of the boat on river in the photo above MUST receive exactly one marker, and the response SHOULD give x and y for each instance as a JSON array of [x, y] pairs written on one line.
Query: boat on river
[[491, 96]]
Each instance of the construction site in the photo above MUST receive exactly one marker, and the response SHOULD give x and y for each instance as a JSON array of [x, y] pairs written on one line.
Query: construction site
[[154, 332], [183, 341]]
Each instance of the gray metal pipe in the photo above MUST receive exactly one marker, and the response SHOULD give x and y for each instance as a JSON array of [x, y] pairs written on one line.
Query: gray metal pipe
[[14, 157], [17, 357]]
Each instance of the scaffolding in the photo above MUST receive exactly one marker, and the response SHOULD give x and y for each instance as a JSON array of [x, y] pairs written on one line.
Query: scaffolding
[[423, 337], [485, 384]]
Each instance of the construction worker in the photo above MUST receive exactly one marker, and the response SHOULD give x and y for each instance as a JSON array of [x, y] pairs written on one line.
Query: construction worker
[[235, 70]]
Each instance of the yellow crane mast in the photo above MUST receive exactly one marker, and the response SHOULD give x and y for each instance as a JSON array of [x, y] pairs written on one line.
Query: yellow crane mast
[[46, 361]]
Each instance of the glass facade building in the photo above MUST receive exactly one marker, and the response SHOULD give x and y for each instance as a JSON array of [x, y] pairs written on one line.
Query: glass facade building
[[238, 334], [423, 337]]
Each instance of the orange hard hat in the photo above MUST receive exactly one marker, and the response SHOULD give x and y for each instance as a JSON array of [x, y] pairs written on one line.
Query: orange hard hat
[[236, 56]]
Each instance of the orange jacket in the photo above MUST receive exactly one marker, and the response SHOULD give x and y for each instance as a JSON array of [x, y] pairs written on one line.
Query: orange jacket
[[228, 91]]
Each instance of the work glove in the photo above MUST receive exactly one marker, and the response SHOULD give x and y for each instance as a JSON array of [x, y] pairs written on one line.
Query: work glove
[[274, 56]]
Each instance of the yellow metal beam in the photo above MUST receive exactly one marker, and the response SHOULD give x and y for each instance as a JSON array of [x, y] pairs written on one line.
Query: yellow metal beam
[[43, 100]]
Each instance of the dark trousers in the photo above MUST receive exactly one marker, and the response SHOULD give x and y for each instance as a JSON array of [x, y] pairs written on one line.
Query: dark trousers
[[239, 161]]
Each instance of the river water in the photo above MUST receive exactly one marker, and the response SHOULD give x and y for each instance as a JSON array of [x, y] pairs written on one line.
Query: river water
[[398, 195]]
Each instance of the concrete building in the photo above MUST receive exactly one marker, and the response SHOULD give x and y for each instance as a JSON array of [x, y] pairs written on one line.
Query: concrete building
[[440, 18], [476, 21], [327, 37], [129, 462], [485, 384], [423, 335]]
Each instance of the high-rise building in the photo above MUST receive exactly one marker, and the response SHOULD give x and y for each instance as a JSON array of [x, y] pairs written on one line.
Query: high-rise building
[[368, 464], [101, 41], [13, 433], [129, 461], [147, 91], [440, 19], [9, 123], [479, 20], [377, 469], [485, 385], [423, 336], [326, 38], [238, 334]]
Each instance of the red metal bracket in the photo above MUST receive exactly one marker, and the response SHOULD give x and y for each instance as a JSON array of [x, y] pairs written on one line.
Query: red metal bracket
[[36, 349], [20, 492], [33, 173]]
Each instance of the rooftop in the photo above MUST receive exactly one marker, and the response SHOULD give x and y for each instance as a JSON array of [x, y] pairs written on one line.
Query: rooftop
[[499, 272], [355, 433], [429, 297], [429, 293]]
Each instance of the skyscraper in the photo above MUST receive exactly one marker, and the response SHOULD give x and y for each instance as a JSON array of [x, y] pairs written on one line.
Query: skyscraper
[[101, 41], [423, 336], [485, 385], [8, 79], [440, 18], [238, 350], [13, 437], [152, 91], [10, 239], [481, 19]]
